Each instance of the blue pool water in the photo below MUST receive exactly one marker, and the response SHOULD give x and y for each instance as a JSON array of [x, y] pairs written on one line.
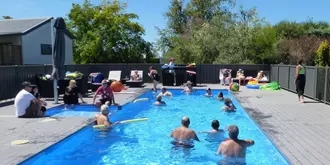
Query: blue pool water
[[148, 142], [79, 110]]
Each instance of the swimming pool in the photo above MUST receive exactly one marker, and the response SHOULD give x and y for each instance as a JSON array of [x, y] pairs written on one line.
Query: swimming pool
[[148, 143]]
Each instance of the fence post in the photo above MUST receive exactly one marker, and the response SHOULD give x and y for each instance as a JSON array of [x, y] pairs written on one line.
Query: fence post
[[325, 85], [278, 74]]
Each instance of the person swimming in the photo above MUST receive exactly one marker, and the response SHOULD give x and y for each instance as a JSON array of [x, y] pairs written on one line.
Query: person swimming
[[220, 96], [229, 106], [188, 88], [165, 92], [208, 93], [233, 150], [102, 118], [159, 101], [183, 136]]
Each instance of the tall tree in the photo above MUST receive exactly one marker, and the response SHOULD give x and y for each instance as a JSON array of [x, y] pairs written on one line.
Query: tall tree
[[105, 33], [176, 16]]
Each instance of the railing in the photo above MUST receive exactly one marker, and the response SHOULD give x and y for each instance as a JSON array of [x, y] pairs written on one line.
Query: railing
[[317, 80], [11, 77]]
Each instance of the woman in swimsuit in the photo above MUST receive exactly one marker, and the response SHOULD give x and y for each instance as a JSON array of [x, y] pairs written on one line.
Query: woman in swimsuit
[[154, 75]]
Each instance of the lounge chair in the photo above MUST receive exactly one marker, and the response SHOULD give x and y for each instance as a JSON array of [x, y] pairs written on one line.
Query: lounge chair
[[114, 75], [135, 83], [227, 81]]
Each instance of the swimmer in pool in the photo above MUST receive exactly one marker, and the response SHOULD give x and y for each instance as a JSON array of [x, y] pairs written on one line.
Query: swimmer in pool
[[159, 101], [215, 128], [229, 106], [183, 136], [233, 150], [102, 118], [188, 88], [208, 93], [165, 92], [220, 96]]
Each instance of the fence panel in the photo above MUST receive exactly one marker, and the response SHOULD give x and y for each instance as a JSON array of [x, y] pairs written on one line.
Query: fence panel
[[319, 83], [274, 72], [283, 78], [327, 90]]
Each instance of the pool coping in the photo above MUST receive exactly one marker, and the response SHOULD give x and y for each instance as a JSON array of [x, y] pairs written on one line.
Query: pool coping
[[88, 123], [265, 133]]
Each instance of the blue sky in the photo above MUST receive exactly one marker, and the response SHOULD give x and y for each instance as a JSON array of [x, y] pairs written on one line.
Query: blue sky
[[151, 12]]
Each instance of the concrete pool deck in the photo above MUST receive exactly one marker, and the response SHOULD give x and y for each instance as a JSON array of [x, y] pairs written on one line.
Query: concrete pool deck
[[300, 131], [42, 134]]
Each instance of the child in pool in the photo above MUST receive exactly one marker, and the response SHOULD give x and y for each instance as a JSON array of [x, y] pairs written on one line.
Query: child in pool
[[188, 88], [208, 93], [220, 96]]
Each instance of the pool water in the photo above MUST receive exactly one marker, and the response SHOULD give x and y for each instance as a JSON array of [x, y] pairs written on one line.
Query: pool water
[[79, 110], [148, 142]]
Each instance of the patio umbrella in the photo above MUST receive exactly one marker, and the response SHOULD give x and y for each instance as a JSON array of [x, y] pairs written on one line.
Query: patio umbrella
[[58, 54]]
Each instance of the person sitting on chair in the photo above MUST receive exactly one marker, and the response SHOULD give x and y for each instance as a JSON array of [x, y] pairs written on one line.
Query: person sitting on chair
[[260, 75], [136, 76], [240, 76]]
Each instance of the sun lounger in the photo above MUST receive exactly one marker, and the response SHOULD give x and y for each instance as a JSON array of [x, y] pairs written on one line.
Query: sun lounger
[[135, 83]]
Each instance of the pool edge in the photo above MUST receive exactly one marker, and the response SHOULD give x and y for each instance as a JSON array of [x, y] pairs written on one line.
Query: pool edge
[[265, 133], [87, 123]]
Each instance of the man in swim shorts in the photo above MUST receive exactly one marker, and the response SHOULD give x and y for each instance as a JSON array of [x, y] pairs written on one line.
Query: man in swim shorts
[[233, 150], [183, 136], [102, 118]]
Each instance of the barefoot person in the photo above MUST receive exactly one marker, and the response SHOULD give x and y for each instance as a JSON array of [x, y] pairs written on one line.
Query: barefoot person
[[183, 136], [72, 95], [155, 77], [107, 96], [233, 150], [102, 118], [300, 80], [26, 105]]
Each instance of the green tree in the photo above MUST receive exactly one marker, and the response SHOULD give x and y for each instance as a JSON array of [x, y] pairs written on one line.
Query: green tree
[[176, 16], [105, 33], [322, 54]]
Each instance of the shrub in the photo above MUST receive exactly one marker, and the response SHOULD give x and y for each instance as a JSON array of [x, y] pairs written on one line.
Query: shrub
[[322, 54]]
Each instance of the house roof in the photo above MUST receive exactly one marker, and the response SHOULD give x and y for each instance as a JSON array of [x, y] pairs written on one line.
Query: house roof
[[23, 26]]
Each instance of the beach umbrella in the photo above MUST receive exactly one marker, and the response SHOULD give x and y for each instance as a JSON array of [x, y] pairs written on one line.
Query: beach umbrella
[[58, 54]]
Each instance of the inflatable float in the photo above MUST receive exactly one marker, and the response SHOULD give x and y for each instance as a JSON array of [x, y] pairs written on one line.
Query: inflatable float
[[253, 86]]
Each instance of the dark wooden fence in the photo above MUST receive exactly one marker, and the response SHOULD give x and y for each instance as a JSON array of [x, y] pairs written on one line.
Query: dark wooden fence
[[11, 77], [318, 80]]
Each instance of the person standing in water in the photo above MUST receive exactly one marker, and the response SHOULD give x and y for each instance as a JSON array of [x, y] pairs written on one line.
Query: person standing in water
[[155, 77], [183, 136], [300, 80], [233, 150]]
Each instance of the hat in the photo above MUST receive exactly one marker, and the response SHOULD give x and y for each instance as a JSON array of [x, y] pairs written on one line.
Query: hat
[[27, 84]]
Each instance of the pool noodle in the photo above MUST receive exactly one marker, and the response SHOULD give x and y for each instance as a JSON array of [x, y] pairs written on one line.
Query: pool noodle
[[141, 99], [133, 120], [122, 122]]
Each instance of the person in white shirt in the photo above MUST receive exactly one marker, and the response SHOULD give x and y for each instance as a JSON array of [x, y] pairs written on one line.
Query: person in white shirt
[[27, 105]]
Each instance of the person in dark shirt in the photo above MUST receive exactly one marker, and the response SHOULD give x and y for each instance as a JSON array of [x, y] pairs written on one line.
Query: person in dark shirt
[[72, 94], [36, 94]]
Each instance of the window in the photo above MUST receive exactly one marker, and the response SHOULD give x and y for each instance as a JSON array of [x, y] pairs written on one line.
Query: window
[[46, 49]]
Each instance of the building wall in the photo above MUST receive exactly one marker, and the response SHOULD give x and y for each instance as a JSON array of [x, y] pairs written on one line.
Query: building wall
[[31, 46], [11, 39]]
